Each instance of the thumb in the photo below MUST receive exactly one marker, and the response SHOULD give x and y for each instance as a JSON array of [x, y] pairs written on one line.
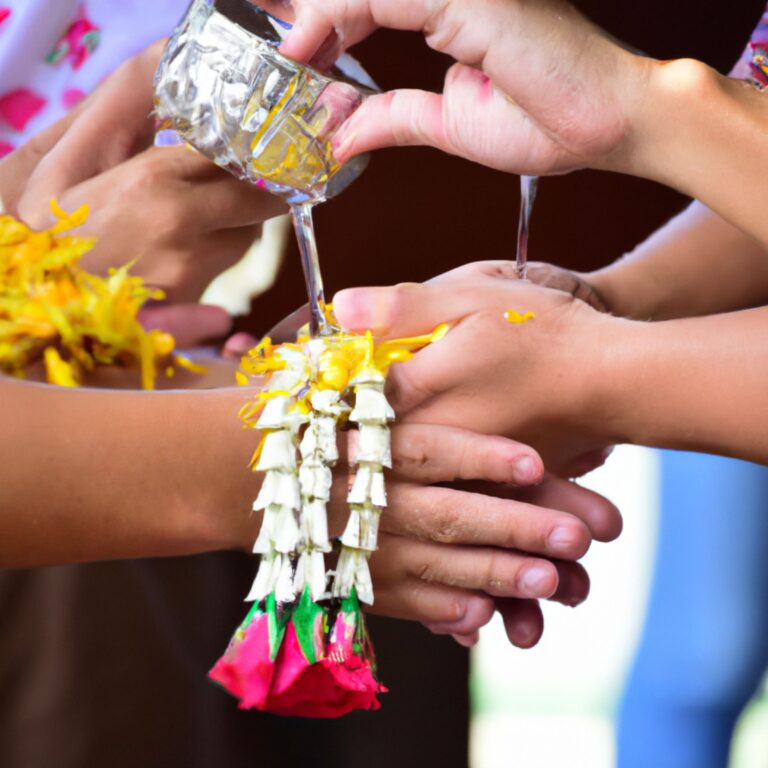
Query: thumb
[[395, 118], [404, 310], [312, 31]]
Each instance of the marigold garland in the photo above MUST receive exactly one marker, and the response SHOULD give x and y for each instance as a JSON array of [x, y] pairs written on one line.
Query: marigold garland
[[52, 308]]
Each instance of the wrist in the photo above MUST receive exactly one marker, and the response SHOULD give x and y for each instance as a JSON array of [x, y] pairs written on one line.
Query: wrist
[[625, 291], [672, 96], [591, 351]]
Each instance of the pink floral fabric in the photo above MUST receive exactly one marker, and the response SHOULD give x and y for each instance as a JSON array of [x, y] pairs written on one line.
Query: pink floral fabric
[[753, 64], [54, 52]]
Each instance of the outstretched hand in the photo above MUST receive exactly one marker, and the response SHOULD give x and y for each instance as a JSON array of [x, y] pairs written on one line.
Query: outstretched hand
[[538, 382]]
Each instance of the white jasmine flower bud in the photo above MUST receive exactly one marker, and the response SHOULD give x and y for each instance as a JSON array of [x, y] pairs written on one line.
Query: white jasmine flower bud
[[279, 531], [266, 578], [328, 402], [284, 591], [275, 414], [314, 525], [311, 571], [362, 529], [374, 445], [368, 487], [315, 480], [352, 571], [369, 376], [371, 407], [281, 488], [278, 453], [319, 440]]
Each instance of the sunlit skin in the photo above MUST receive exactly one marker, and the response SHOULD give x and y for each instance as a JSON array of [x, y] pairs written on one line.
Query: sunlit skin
[[574, 99]]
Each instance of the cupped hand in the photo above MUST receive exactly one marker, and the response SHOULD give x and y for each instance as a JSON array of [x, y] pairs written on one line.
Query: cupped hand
[[450, 556], [540, 381], [536, 89], [184, 219]]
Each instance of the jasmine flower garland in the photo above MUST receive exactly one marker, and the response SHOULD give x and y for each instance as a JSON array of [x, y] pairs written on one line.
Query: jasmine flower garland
[[303, 649]]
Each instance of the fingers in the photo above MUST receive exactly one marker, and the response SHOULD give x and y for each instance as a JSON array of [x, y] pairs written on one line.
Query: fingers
[[16, 168], [392, 119], [522, 618], [407, 309], [428, 454], [112, 125], [190, 324], [573, 584], [523, 621], [478, 613], [495, 572], [312, 28], [550, 276], [601, 516], [238, 345], [448, 516], [416, 600], [179, 191]]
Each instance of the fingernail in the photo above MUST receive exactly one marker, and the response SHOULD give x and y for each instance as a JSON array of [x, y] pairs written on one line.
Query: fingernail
[[356, 309], [563, 540], [536, 581], [524, 470], [342, 143], [523, 634]]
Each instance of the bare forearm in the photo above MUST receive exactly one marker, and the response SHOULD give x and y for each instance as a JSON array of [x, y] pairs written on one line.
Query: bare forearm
[[704, 134], [693, 384], [94, 474], [697, 264]]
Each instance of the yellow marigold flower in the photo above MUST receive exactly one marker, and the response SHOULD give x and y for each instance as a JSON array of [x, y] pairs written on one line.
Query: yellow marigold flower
[[511, 316], [50, 307]]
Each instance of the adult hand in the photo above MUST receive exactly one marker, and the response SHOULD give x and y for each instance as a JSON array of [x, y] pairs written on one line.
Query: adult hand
[[537, 89], [185, 219], [537, 381], [451, 556]]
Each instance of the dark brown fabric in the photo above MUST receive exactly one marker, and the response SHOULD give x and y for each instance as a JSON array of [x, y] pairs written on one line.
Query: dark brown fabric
[[103, 666]]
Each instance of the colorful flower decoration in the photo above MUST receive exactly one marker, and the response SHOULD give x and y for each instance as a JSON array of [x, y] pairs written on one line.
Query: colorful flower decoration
[[5, 14], [304, 648], [759, 64], [20, 106], [78, 42], [51, 308]]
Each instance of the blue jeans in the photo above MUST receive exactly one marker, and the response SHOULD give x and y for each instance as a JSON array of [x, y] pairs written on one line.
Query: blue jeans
[[704, 648]]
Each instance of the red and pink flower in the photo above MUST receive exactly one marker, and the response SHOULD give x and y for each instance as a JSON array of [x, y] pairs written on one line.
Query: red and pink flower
[[322, 668]]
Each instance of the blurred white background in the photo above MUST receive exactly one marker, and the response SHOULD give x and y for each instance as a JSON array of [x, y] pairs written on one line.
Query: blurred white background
[[553, 706]]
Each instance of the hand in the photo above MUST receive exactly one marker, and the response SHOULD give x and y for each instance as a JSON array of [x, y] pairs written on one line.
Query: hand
[[450, 556], [537, 89], [538, 382], [185, 219]]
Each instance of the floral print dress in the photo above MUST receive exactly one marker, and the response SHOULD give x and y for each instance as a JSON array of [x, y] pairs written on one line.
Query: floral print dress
[[54, 52]]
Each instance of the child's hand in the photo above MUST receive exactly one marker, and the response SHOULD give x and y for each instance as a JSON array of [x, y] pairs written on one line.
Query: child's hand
[[537, 89], [538, 382], [185, 219], [450, 556]]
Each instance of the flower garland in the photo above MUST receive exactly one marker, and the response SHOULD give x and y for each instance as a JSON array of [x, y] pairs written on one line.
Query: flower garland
[[51, 308], [303, 649]]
